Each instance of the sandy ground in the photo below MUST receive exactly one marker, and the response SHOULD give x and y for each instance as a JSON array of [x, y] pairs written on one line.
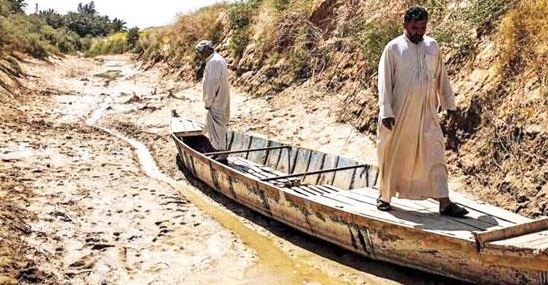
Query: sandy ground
[[90, 193]]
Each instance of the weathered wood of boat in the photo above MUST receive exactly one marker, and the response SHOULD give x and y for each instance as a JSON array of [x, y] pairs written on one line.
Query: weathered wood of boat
[[333, 198]]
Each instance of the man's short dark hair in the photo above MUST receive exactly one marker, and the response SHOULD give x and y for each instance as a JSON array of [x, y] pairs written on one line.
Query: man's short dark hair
[[415, 13]]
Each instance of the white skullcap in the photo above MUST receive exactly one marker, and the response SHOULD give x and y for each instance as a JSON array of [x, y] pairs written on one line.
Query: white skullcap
[[203, 45]]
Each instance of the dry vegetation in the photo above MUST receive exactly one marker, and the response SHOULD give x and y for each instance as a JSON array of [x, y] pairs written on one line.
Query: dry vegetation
[[507, 156], [495, 51], [172, 44]]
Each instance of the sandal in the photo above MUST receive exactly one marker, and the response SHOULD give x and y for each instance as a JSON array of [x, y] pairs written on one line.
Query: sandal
[[454, 210], [383, 206]]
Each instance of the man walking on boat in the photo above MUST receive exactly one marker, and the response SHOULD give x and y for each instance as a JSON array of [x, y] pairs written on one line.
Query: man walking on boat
[[413, 83], [216, 96]]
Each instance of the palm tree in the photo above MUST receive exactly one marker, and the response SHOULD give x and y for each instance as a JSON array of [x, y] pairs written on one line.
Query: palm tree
[[87, 8], [117, 25], [52, 18], [132, 37], [18, 6]]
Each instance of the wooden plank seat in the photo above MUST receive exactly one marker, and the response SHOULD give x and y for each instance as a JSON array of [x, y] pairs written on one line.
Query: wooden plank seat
[[261, 171], [536, 240], [532, 233], [185, 128], [246, 150], [335, 198]]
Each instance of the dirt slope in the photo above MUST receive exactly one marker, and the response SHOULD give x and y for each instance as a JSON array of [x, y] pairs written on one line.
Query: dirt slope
[[329, 49]]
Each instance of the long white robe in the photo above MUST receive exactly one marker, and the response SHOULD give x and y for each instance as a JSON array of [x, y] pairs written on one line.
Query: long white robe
[[216, 97], [413, 82]]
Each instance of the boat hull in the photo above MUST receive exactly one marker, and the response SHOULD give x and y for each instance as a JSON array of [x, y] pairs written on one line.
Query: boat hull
[[362, 231]]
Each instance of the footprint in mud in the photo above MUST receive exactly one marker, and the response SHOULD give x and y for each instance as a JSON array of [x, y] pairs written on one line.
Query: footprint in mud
[[164, 229], [101, 246], [97, 244], [80, 266], [174, 200], [62, 216]]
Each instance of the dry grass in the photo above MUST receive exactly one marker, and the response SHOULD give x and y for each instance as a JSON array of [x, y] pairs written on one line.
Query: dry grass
[[189, 29], [508, 156], [74, 72], [521, 38], [174, 44]]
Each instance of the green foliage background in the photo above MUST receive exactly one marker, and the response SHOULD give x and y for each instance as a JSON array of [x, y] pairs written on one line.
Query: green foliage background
[[47, 32]]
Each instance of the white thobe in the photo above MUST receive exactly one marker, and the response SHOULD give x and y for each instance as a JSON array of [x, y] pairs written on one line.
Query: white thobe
[[412, 84], [216, 96]]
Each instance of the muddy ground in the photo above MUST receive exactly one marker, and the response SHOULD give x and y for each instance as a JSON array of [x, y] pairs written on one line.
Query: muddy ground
[[90, 193]]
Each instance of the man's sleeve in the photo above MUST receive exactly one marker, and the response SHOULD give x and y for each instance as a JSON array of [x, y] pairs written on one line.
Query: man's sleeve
[[385, 84], [443, 88], [211, 83]]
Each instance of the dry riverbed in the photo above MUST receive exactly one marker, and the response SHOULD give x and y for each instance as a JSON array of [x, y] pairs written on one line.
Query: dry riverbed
[[90, 193]]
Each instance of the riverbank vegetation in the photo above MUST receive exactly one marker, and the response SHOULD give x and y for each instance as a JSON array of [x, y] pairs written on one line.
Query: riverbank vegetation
[[46, 32]]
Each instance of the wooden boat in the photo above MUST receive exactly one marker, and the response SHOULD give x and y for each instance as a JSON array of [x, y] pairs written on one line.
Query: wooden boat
[[333, 198]]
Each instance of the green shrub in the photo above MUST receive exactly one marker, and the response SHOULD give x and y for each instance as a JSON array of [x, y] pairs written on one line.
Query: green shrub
[[300, 67], [27, 34], [149, 44], [132, 37], [67, 41], [15, 27], [216, 32], [240, 18], [175, 44], [48, 33], [281, 5], [370, 38], [114, 44], [241, 14], [14, 64], [480, 13], [36, 46], [4, 8], [52, 18], [239, 41]]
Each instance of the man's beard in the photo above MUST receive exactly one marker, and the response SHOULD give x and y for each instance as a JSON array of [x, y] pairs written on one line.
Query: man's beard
[[417, 38]]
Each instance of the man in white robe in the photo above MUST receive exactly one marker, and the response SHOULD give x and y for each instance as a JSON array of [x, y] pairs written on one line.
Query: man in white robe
[[413, 83], [216, 97]]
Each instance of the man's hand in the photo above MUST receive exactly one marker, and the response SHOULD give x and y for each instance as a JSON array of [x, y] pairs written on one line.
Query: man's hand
[[451, 119], [388, 123]]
